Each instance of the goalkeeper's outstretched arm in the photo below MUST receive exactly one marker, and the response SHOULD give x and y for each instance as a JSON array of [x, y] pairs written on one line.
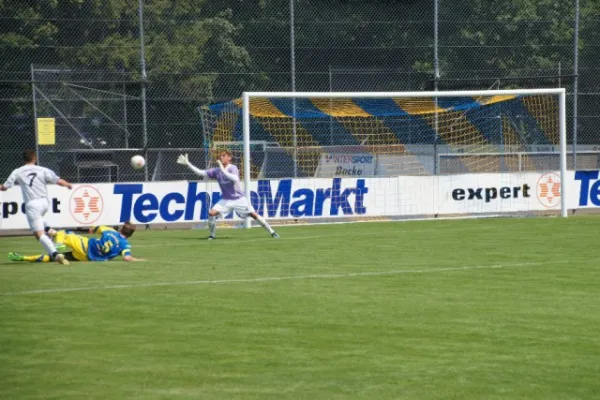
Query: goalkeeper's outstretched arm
[[229, 175], [183, 160]]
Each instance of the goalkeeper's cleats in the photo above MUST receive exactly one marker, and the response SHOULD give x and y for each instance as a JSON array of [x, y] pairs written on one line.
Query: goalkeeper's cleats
[[211, 238], [274, 235], [15, 257]]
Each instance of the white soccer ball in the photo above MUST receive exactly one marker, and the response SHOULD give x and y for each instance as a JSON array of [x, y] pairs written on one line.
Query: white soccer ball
[[138, 162]]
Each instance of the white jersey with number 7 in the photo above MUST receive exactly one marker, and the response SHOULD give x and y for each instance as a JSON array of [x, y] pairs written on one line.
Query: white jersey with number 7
[[33, 180]]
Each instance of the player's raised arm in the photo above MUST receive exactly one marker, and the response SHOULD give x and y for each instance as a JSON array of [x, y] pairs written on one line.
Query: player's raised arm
[[232, 176], [10, 182], [183, 160], [64, 183], [51, 177]]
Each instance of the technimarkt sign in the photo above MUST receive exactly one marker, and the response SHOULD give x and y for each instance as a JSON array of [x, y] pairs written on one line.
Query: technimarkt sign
[[180, 201], [274, 199]]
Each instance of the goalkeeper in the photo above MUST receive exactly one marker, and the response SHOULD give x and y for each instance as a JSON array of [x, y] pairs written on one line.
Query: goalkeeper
[[232, 195], [110, 244]]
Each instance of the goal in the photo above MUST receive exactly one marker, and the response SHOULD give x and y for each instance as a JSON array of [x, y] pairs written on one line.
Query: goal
[[388, 155]]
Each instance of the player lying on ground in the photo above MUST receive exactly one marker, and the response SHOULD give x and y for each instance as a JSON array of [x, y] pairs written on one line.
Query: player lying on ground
[[33, 179], [232, 195], [109, 245]]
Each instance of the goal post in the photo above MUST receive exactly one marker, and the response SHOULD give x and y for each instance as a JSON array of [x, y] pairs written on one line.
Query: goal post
[[423, 153]]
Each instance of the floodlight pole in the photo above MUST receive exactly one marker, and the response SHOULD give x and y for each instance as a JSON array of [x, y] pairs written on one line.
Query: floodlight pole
[[293, 73], [35, 125], [125, 112], [436, 79], [144, 83], [575, 81]]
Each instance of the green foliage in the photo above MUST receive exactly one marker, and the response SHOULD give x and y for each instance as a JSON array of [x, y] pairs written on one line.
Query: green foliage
[[496, 38], [521, 36]]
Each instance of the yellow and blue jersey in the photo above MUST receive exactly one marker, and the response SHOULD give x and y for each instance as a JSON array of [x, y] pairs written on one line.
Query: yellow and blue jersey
[[109, 245]]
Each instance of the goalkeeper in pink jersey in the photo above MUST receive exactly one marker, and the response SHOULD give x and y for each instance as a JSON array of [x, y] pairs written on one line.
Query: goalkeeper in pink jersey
[[232, 195]]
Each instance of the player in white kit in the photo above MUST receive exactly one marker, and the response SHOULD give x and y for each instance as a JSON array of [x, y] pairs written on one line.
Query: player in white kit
[[232, 195], [33, 179]]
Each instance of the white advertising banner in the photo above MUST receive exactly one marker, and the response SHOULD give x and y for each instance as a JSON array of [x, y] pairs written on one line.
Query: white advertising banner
[[182, 201], [495, 193]]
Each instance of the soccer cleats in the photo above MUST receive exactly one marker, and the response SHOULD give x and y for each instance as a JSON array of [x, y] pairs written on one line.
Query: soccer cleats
[[61, 259], [15, 257]]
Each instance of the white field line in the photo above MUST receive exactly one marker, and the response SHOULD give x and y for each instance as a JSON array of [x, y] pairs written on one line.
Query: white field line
[[203, 234], [389, 235], [203, 237], [275, 278]]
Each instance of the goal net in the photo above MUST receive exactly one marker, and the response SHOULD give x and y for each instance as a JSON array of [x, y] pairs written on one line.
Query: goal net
[[419, 154]]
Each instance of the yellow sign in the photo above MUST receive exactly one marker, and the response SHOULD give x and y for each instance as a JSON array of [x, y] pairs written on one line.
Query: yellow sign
[[46, 130]]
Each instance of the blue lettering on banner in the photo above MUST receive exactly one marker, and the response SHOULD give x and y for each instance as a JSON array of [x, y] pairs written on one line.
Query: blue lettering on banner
[[306, 203], [142, 208], [346, 159], [303, 202], [588, 191]]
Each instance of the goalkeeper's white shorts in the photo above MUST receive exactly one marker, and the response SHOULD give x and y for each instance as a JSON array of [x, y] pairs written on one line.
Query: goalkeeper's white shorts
[[241, 206]]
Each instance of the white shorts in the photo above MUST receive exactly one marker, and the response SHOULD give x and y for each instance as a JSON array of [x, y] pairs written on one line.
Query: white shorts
[[35, 211], [241, 206]]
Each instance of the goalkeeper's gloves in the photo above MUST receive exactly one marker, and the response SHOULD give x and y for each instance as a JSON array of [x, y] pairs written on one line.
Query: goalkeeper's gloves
[[220, 164], [183, 160]]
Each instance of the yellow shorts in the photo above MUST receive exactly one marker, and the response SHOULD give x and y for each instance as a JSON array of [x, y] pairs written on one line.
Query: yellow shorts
[[79, 244]]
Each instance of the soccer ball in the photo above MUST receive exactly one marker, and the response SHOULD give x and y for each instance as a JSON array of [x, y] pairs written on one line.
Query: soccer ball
[[138, 162]]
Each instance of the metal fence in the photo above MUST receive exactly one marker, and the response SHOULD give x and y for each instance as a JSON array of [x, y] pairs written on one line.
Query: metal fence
[[120, 81]]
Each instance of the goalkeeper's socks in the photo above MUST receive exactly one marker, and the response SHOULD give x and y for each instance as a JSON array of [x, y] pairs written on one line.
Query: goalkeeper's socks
[[261, 221], [212, 226]]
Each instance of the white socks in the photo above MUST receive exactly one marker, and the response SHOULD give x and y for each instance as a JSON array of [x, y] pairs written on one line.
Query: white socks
[[212, 225], [48, 245], [261, 221]]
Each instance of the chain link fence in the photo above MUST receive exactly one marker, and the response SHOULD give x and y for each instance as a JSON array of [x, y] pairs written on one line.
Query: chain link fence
[[79, 64]]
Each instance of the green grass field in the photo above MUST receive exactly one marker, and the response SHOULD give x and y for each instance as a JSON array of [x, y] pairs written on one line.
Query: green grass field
[[460, 309]]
